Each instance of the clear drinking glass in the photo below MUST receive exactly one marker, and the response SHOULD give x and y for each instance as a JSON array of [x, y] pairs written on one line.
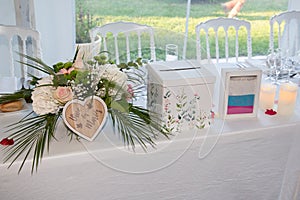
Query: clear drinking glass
[[171, 52]]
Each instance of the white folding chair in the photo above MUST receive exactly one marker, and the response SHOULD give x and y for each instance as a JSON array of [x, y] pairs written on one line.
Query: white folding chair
[[128, 35], [212, 28], [288, 27], [15, 40]]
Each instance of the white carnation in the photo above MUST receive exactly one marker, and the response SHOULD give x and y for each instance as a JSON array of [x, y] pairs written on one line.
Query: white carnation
[[42, 97], [112, 73]]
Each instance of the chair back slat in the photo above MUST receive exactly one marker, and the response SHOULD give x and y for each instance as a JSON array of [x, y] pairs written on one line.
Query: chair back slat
[[116, 49], [222, 24], [284, 21], [237, 45], [127, 48], [128, 30]]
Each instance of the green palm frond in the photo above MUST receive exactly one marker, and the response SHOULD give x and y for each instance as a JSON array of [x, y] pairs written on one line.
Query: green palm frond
[[136, 76], [38, 64], [23, 93], [136, 126], [31, 134]]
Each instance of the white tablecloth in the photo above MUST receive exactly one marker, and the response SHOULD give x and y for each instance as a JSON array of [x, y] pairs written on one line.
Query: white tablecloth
[[253, 158]]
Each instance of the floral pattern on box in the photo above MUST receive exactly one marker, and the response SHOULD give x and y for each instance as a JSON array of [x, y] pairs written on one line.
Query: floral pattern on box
[[178, 109]]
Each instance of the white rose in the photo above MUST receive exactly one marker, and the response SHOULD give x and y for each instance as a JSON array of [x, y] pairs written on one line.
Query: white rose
[[42, 97]]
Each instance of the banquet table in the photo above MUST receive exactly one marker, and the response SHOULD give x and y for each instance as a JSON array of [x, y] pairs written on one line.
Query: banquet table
[[247, 158]]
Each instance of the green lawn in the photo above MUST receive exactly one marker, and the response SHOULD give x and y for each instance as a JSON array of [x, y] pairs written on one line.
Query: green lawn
[[168, 16]]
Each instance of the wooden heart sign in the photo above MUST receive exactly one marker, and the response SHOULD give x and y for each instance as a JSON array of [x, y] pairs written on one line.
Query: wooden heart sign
[[85, 118]]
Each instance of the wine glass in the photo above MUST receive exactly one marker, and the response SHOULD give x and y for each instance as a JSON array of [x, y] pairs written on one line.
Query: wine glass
[[270, 64], [296, 59], [291, 64], [289, 67], [277, 65]]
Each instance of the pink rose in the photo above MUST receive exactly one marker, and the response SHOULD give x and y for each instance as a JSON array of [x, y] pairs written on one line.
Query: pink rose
[[66, 71], [63, 94], [212, 114], [130, 91]]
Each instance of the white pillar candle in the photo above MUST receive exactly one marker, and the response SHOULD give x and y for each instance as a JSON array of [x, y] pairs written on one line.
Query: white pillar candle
[[267, 96], [287, 98]]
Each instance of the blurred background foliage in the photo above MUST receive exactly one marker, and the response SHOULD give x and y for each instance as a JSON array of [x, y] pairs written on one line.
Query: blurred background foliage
[[168, 17]]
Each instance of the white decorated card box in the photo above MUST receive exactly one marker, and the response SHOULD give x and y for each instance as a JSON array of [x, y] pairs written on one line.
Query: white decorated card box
[[181, 93]]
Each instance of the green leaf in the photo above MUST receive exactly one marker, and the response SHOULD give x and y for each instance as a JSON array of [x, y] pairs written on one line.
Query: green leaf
[[58, 66], [123, 66], [23, 93], [68, 65], [122, 106], [59, 80]]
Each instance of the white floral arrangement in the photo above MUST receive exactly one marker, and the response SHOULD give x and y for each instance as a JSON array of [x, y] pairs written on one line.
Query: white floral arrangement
[[76, 81], [49, 99]]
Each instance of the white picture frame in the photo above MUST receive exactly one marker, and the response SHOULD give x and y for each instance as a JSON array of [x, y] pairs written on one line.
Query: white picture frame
[[239, 92]]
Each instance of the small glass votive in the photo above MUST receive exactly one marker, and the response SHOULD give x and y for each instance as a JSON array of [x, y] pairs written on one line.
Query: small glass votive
[[287, 98], [171, 52], [267, 96]]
